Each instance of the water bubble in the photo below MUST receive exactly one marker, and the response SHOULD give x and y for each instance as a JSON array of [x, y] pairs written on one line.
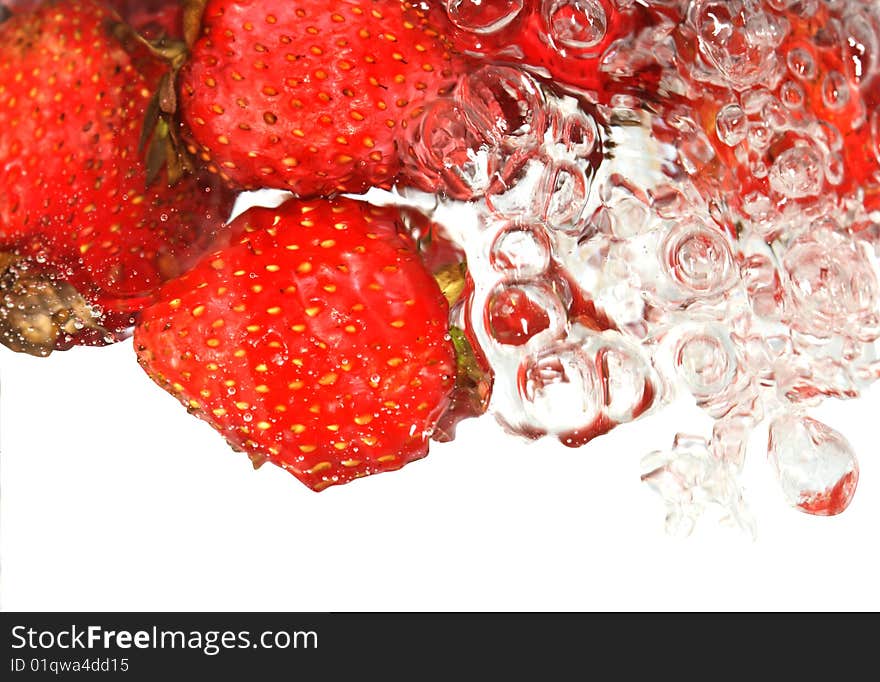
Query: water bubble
[[560, 388], [864, 45], [759, 136], [730, 436], [706, 361], [835, 169], [801, 63], [578, 133], [731, 124], [516, 313], [575, 24], [831, 135], [815, 465], [761, 279], [629, 217], [503, 106], [797, 173], [483, 16], [835, 90], [804, 8], [562, 199], [513, 194], [445, 154], [765, 28], [755, 100], [774, 114], [791, 95], [628, 387], [698, 259], [831, 286], [521, 251], [738, 40]]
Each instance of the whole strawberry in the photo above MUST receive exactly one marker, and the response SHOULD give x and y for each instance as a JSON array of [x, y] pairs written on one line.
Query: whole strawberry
[[309, 96], [85, 239], [316, 341]]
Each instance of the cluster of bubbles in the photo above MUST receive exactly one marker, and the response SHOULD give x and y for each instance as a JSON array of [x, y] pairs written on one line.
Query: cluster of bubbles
[[715, 235]]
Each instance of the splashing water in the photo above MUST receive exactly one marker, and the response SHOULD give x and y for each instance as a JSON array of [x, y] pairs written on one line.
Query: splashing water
[[690, 207]]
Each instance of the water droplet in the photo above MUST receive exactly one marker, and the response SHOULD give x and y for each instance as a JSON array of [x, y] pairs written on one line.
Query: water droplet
[[446, 155], [759, 137], [731, 124], [761, 279], [791, 95], [628, 388], [801, 63], [513, 316], [815, 465], [578, 133], [706, 361], [503, 106], [516, 313], [521, 251], [835, 90], [797, 173], [863, 41], [483, 16], [698, 259], [563, 197], [831, 286], [575, 24], [559, 388], [774, 115], [738, 40]]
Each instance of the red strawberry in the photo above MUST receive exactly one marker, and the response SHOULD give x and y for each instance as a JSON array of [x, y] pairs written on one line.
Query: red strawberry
[[84, 240], [317, 341], [309, 96], [473, 378]]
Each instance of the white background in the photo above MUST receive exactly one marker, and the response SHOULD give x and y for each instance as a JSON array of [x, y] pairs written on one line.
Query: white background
[[113, 497]]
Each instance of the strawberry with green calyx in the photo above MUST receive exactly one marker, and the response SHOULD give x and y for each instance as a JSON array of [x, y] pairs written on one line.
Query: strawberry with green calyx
[[473, 387], [446, 260], [316, 341], [307, 96], [84, 238]]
